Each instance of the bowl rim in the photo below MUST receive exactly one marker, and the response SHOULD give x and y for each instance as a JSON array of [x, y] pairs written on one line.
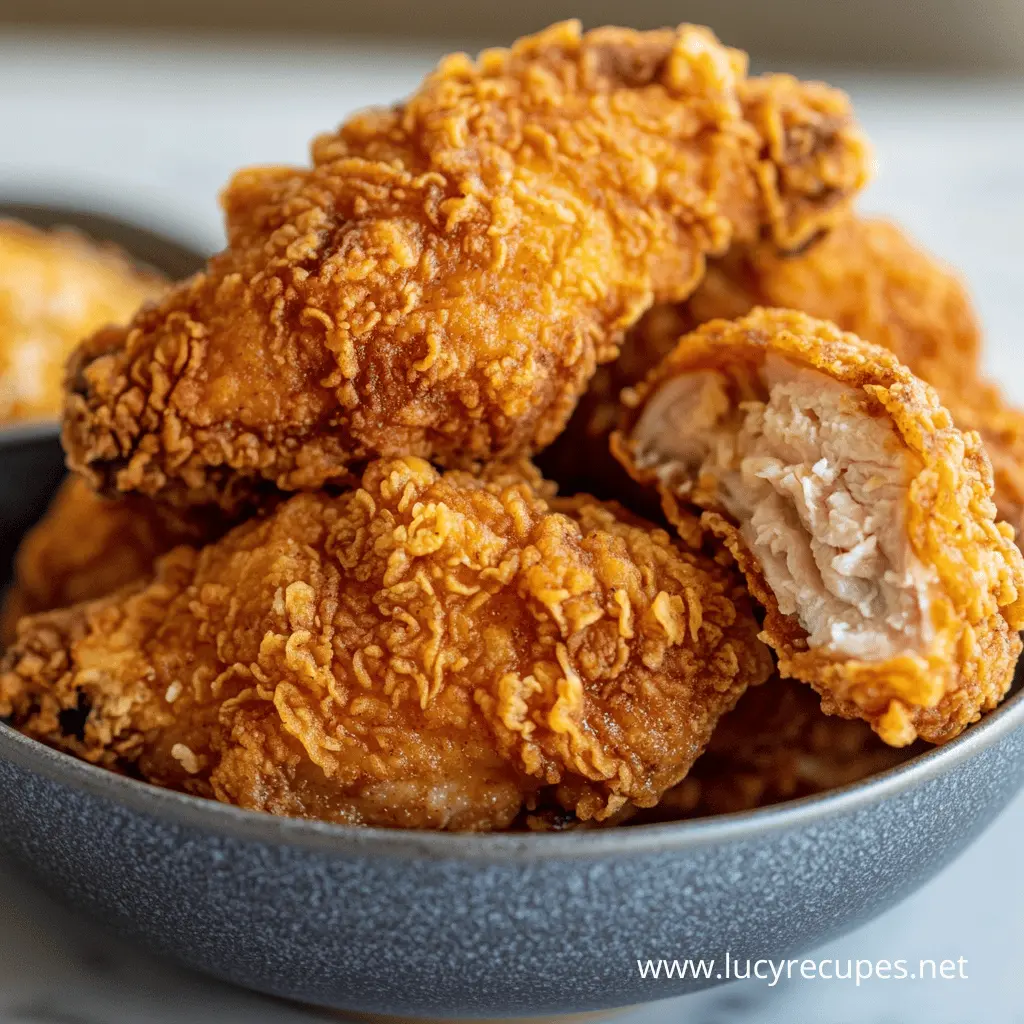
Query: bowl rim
[[128, 225], [31, 431], [323, 838]]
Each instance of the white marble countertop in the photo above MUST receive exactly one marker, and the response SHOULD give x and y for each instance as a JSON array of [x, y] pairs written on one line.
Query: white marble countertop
[[151, 132]]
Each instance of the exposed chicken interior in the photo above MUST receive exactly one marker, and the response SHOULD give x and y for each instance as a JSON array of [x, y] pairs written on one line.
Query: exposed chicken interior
[[816, 480]]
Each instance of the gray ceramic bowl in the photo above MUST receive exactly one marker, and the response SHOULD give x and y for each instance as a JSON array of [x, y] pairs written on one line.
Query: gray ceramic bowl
[[388, 922]]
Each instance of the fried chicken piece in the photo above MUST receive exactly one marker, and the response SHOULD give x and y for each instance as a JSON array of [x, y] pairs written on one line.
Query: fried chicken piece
[[444, 279], [862, 517], [775, 745], [56, 288], [87, 546], [867, 276], [425, 651]]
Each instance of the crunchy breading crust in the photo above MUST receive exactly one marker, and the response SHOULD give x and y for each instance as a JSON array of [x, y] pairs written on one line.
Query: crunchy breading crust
[[87, 546], [445, 278], [775, 745], [950, 520], [424, 651], [866, 276]]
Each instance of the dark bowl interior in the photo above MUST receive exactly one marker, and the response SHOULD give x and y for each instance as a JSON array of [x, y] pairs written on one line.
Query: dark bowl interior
[[32, 467]]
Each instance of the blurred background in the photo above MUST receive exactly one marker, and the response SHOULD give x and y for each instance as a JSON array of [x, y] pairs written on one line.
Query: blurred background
[[141, 110], [937, 34]]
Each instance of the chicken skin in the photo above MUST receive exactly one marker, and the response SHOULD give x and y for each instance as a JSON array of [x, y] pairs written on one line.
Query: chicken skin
[[87, 546], [423, 651], [56, 288], [869, 278], [446, 276], [861, 516]]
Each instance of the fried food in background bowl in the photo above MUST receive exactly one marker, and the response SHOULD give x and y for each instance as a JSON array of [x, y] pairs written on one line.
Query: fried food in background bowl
[[56, 288]]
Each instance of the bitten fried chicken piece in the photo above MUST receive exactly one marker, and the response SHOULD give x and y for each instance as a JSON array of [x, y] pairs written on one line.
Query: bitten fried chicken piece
[[862, 517], [775, 745], [866, 275], [446, 276], [87, 546], [56, 288], [424, 651], [869, 278]]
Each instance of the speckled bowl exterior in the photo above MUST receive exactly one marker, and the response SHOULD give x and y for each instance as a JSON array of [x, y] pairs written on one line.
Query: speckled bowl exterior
[[460, 925], [437, 925]]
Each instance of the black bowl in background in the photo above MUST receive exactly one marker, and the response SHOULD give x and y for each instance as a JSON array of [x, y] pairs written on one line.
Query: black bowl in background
[[31, 467]]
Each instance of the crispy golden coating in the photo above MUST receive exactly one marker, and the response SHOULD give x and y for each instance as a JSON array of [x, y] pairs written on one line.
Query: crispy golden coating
[[775, 745], [56, 288], [87, 546], [446, 276], [980, 405], [423, 651], [867, 277], [973, 602]]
